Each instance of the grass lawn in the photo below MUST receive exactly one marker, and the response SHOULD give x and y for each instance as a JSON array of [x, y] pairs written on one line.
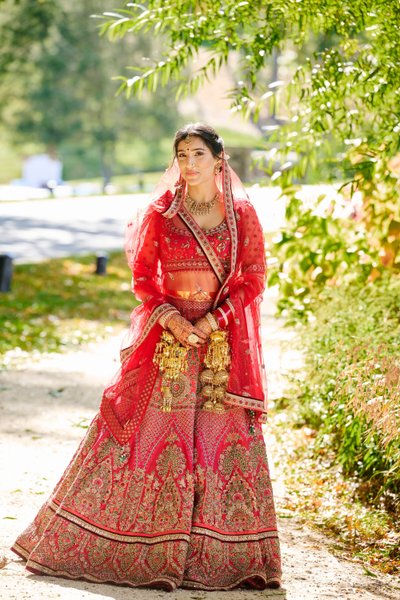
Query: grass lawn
[[61, 303]]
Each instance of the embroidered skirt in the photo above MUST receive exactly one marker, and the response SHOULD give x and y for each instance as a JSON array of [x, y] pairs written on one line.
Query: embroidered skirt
[[187, 503]]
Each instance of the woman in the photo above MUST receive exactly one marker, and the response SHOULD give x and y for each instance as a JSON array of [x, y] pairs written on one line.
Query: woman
[[170, 486]]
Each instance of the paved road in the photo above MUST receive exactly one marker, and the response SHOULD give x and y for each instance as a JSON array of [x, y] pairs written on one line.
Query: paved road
[[37, 229]]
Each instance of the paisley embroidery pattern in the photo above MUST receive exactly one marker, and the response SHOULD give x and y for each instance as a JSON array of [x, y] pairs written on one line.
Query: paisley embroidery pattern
[[194, 483]]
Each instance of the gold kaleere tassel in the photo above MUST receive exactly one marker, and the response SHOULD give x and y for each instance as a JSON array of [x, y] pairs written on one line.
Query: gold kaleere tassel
[[170, 356], [215, 378]]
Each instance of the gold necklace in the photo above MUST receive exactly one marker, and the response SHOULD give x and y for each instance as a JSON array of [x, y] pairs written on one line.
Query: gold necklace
[[200, 208]]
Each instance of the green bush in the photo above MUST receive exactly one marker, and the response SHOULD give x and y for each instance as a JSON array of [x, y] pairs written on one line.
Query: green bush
[[350, 388]]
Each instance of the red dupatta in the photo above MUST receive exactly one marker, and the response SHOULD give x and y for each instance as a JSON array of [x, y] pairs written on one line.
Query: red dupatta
[[126, 399]]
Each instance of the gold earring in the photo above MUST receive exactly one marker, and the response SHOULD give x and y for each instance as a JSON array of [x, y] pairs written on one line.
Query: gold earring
[[218, 168]]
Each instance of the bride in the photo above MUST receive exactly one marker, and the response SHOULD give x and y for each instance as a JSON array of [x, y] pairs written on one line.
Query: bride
[[170, 487]]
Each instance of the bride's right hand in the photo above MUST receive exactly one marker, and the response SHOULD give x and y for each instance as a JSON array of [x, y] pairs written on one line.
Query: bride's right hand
[[181, 328]]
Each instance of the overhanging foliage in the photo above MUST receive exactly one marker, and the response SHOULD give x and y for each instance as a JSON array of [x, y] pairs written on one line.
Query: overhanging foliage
[[340, 105]]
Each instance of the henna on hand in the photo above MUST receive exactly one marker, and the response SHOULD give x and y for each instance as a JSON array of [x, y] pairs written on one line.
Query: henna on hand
[[181, 328], [204, 326], [164, 320]]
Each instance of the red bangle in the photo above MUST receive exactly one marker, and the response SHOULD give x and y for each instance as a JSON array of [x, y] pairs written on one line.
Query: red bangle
[[223, 315]]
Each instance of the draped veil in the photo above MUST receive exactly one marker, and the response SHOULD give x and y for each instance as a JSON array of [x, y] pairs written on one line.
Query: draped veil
[[125, 400]]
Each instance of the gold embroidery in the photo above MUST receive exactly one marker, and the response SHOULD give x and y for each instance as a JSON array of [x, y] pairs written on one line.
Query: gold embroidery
[[240, 504], [196, 485], [227, 537], [133, 538], [205, 244], [171, 459]]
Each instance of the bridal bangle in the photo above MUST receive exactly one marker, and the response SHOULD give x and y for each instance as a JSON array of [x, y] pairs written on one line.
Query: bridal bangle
[[165, 317], [212, 321], [224, 313]]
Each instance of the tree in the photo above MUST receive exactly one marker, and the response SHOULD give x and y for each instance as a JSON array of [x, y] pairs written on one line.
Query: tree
[[364, 61], [344, 97], [57, 84]]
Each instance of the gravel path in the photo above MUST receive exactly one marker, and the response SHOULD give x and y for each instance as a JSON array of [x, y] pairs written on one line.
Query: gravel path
[[43, 406]]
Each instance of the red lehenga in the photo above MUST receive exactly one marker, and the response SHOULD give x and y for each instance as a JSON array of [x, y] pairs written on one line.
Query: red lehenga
[[180, 498]]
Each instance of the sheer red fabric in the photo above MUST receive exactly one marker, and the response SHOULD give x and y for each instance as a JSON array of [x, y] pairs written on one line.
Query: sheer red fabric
[[125, 400]]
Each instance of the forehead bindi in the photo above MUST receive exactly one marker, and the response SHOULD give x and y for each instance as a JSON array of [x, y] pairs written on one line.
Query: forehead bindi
[[191, 144]]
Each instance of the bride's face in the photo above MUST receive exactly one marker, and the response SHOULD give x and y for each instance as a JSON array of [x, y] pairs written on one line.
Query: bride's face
[[196, 162]]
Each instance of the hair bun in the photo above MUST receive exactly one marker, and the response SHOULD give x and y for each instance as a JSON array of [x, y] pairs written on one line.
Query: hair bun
[[208, 134]]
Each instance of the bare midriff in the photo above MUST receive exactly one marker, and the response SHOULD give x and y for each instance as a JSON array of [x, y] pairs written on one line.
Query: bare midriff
[[191, 285]]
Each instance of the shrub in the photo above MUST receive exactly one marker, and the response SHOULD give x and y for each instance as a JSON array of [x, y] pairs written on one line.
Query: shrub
[[350, 388]]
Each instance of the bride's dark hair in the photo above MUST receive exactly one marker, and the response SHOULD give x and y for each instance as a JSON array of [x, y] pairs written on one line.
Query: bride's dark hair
[[207, 133]]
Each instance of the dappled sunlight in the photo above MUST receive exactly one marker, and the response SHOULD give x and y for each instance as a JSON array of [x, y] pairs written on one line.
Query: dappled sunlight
[[61, 304]]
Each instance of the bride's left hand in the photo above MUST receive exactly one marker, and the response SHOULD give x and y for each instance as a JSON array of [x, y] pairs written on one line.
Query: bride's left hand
[[204, 326]]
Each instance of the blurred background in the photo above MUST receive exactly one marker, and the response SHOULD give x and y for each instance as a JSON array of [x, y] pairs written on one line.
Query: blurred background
[[62, 121], [60, 114]]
